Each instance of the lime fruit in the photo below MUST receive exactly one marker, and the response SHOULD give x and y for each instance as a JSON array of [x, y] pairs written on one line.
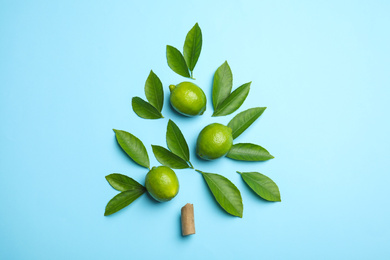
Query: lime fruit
[[188, 99], [214, 141], [162, 183]]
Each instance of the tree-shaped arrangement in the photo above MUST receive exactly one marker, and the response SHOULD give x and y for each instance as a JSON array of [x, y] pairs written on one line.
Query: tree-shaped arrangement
[[214, 141]]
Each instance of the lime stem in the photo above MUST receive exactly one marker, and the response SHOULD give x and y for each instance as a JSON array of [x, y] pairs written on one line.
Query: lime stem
[[191, 165]]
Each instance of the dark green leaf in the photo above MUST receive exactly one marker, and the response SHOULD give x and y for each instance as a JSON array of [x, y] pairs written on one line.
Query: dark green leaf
[[176, 62], [192, 46], [144, 109], [176, 141], [233, 101], [222, 84], [122, 182], [122, 200], [225, 192], [243, 120], [154, 91], [167, 158], [262, 185], [133, 147], [248, 152]]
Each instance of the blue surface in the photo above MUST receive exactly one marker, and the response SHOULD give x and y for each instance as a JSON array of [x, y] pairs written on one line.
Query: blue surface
[[68, 71]]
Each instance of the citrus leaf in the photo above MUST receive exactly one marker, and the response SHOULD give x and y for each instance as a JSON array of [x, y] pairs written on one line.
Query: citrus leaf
[[243, 120], [167, 158], [144, 109], [233, 101], [262, 185], [249, 152], [154, 91], [122, 182], [192, 46], [122, 200], [225, 192], [134, 148], [222, 84], [176, 61], [176, 141]]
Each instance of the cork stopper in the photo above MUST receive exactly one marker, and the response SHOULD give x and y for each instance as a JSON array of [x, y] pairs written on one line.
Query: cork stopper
[[187, 220]]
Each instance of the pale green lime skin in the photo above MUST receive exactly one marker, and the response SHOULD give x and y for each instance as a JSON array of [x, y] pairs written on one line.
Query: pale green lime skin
[[214, 141], [162, 183], [188, 99]]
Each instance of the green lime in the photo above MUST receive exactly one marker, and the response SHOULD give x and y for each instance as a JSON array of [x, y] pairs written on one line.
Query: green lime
[[214, 141], [188, 99], [162, 183]]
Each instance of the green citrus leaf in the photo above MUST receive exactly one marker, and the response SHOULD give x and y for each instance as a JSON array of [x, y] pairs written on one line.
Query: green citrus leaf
[[134, 148], [222, 84], [167, 158], [225, 192], [176, 141], [249, 152], [122, 182], [262, 185], [122, 200], [233, 101], [176, 62], [154, 91], [144, 109], [243, 120], [192, 46]]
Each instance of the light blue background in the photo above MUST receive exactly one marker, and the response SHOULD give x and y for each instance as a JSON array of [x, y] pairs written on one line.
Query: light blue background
[[68, 71]]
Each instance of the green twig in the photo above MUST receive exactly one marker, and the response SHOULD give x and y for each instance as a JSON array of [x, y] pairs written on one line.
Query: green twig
[[191, 165]]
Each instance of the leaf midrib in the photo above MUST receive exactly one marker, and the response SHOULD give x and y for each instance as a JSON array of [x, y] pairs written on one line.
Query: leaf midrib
[[222, 193], [119, 204], [228, 102], [156, 94], [181, 148], [249, 177], [133, 186], [219, 102], [243, 124], [193, 50]]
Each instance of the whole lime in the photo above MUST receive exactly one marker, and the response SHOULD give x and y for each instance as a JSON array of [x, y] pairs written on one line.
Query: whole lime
[[214, 141], [188, 99], [162, 183]]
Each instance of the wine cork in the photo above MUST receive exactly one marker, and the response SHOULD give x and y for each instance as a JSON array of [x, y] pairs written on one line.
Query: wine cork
[[187, 220]]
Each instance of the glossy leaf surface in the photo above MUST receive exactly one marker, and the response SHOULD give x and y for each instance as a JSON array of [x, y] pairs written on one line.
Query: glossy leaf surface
[[176, 141], [154, 91], [262, 185], [222, 84], [233, 101], [192, 46], [144, 109], [122, 200], [243, 120], [249, 152], [167, 158], [134, 148], [176, 61], [225, 193], [122, 182]]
